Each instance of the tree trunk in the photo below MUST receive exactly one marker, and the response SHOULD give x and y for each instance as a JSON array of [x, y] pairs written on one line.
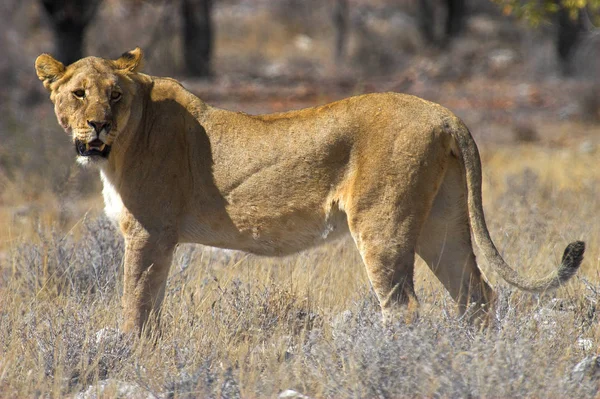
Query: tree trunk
[[455, 17], [69, 19], [568, 34], [429, 18], [197, 36], [340, 22]]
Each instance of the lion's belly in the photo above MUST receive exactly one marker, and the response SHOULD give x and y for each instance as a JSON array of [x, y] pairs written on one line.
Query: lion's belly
[[272, 236]]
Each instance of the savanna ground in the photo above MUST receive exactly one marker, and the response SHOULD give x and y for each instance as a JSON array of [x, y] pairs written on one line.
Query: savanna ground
[[236, 325]]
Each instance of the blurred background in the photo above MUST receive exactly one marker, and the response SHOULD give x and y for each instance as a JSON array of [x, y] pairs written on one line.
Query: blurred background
[[515, 71]]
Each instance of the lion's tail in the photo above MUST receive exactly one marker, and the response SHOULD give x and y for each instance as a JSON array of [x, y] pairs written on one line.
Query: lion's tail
[[471, 162]]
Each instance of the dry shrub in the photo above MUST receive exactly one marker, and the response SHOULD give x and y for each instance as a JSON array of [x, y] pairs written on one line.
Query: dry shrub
[[586, 60], [55, 264], [300, 16], [383, 40], [242, 326], [590, 103], [525, 131]]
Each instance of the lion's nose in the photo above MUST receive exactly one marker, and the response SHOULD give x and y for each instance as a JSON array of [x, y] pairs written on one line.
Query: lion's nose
[[99, 125]]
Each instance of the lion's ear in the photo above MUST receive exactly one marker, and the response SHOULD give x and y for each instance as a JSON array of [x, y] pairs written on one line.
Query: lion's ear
[[131, 61], [48, 69]]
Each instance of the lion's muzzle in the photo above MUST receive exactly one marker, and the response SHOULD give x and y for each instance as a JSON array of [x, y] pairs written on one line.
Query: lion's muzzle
[[95, 147]]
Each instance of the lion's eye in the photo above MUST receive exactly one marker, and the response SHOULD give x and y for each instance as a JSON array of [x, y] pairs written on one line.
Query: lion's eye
[[79, 93], [115, 96]]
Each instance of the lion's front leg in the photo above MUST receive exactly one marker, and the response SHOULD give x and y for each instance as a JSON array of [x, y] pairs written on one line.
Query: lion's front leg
[[147, 264]]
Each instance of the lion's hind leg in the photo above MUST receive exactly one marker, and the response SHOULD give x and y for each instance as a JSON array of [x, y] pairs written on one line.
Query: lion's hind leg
[[445, 245], [385, 221], [390, 268]]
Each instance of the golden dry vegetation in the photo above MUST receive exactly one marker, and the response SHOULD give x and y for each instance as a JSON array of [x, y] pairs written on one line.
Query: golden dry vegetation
[[240, 325]]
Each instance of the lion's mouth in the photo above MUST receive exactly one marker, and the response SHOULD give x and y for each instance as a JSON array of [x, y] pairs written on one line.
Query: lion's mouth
[[93, 148]]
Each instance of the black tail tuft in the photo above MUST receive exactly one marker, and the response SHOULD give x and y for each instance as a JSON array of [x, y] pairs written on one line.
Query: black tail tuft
[[571, 260]]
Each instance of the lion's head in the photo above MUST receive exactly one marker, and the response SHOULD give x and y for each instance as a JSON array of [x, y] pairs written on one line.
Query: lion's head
[[92, 99]]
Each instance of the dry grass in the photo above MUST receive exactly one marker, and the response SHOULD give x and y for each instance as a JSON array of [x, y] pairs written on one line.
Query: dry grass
[[236, 325], [241, 326]]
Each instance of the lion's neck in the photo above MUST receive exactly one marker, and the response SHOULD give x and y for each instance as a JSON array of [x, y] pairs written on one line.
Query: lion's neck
[[113, 204], [128, 144], [170, 120]]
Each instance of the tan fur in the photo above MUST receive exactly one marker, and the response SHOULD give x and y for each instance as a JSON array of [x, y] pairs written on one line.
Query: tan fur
[[401, 174]]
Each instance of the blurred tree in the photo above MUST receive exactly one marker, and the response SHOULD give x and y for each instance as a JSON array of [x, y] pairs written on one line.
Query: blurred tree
[[568, 33], [453, 24], [569, 17], [197, 36], [455, 17], [340, 23], [68, 19]]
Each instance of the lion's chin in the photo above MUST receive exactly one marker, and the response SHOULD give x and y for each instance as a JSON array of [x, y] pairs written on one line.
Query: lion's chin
[[91, 161]]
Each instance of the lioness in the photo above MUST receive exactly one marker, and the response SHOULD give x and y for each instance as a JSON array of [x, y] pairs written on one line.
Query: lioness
[[401, 174]]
